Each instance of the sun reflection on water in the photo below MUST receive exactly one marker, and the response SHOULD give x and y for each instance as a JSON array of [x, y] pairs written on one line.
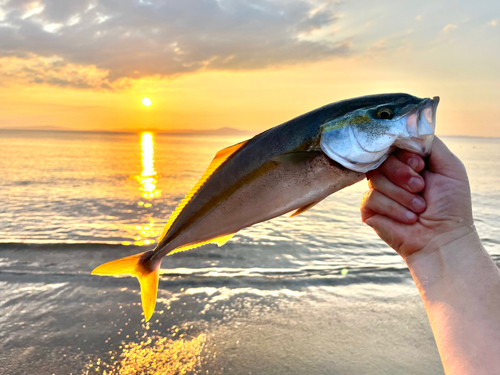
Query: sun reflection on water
[[148, 179]]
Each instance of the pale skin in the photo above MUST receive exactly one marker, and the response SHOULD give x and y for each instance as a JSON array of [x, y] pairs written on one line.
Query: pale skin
[[423, 211]]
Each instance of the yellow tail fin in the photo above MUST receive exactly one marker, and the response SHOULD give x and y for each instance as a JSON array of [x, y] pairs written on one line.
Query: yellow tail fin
[[138, 266]]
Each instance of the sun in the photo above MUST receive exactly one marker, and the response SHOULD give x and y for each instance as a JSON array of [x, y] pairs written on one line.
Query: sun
[[146, 102]]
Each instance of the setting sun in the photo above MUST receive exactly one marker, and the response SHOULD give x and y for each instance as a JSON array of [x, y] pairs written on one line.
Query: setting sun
[[146, 102]]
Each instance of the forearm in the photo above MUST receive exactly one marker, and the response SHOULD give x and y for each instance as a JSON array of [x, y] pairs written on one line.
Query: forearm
[[460, 287]]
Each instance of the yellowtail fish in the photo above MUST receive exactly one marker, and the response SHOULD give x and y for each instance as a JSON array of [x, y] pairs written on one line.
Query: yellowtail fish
[[290, 167]]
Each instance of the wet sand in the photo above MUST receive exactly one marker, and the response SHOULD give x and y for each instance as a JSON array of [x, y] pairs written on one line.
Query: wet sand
[[57, 319]]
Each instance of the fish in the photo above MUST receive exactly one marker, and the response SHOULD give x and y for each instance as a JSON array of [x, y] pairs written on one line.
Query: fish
[[288, 168]]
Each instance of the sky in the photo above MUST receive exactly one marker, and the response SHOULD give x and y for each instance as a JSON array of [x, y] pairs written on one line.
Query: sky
[[250, 65]]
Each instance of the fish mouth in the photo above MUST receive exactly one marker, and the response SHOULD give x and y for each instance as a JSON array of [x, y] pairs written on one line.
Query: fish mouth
[[420, 126]]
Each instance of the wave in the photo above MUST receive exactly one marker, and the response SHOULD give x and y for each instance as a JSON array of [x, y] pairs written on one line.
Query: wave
[[262, 281], [56, 262], [76, 245]]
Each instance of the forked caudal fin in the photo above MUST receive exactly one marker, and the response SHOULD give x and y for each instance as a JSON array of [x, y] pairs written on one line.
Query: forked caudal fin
[[148, 271], [139, 266]]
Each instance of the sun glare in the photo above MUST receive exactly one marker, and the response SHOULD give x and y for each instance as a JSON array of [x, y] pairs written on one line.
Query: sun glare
[[147, 179], [146, 102]]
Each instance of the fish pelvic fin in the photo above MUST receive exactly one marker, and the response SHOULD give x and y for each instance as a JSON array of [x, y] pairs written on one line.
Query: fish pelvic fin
[[218, 160], [140, 266], [217, 240], [304, 208]]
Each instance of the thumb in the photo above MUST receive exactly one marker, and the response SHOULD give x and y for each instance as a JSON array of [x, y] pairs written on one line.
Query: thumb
[[444, 162]]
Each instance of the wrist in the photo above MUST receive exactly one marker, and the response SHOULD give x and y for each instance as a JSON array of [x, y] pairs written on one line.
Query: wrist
[[447, 255], [460, 287], [449, 239]]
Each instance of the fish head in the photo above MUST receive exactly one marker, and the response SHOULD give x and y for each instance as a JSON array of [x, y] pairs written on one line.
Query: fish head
[[363, 138]]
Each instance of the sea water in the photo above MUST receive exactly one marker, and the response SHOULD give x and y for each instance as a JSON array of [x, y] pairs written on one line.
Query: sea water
[[318, 293]]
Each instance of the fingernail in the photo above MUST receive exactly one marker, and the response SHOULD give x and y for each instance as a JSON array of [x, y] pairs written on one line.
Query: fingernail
[[412, 162], [410, 215], [414, 183], [418, 203]]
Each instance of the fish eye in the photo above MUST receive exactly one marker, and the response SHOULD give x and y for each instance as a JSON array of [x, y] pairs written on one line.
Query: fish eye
[[385, 113]]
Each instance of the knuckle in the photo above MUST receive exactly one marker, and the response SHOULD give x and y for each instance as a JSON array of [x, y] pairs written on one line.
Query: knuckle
[[366, 196], [366, 204], [371, 201]]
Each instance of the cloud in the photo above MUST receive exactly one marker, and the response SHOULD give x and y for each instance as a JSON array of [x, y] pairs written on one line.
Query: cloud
[[449, 27], [102, 43], [55, 71], [380, 46], [493, 22]]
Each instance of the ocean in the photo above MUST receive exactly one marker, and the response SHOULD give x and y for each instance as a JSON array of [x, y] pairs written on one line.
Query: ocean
[[314, 294]]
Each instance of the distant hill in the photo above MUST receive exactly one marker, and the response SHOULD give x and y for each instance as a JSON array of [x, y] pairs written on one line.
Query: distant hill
[[220, 131], [35, 128]]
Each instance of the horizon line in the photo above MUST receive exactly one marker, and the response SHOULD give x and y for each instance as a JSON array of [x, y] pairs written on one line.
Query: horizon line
[[217, 131]]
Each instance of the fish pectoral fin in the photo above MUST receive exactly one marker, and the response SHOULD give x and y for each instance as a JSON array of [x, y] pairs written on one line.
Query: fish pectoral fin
[[304, 208], [295, 157], [139, 266], [217, 240]]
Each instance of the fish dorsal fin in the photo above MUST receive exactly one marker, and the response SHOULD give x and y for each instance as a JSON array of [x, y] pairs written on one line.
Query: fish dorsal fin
[[219, 159], [304, 208], [217, 240]]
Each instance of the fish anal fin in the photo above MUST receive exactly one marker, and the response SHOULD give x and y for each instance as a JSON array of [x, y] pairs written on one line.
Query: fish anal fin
[[218, 160], [221, 241], [217, 240], [139, 266], [304, 208]]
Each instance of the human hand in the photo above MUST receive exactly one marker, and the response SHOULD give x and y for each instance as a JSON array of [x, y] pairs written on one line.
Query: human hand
[[408, 210]]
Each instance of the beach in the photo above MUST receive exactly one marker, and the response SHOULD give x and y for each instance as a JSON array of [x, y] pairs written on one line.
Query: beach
[[57, 319], [315, 294]]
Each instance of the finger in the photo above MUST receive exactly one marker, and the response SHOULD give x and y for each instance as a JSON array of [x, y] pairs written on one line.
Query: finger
[[402, 175], [374, 202], [388, 230], [381, 183], [409, 158]]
